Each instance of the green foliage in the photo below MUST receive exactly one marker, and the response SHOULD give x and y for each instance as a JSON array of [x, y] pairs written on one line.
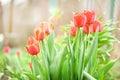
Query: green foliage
[[83, 57], [2, 62]]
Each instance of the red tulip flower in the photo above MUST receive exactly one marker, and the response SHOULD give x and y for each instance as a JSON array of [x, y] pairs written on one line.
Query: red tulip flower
[[79, 19], [33, 47], [39, 34], [6, 49], [97, 25], [90, 16], [88, 29], [18, 52], [46, 27], [73, 31]]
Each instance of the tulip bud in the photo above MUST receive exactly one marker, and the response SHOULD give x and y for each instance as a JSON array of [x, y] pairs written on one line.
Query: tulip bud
[[73, 31], [97, 25], [6, 49], [18, 52], [47, 30], [79, 19], [31, 40], [33, 47], [39, 34], [88, 28], [46, 27], [90, 16]]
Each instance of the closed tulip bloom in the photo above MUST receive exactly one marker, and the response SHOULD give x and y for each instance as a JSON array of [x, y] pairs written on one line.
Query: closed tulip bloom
[[46, 27], [18, 52], [6, 49], [31, 40], [43, 25], [79, 20], [90, 16], [88, 29], [73, 31], [39, 34], [33, 47], [49, 28], [97, 25]]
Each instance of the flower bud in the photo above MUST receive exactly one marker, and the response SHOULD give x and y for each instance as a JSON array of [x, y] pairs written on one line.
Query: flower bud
[[39, 34], [6, 49], [79, 19], [33, 47], [97, 25], [73, 31], [18, 52], [90, 16]]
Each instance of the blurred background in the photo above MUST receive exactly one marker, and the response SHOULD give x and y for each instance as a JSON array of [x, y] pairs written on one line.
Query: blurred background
[[18, 18]]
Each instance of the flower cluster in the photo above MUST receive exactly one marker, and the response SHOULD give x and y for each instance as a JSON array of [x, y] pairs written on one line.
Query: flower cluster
[[87, 21], [33, 46]]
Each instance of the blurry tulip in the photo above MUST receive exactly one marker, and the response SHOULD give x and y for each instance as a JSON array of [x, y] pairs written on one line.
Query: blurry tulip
[[30, 65], [97, 25], [39, 34], [6, 49], [46, 27], [73, 31], [18, 52], [43, 25], [90, 16], [31, 40], [79, 19], [33, 47], [88, 29], [54, 20]]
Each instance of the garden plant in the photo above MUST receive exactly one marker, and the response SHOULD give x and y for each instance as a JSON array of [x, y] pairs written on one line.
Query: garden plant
[[83, 53]]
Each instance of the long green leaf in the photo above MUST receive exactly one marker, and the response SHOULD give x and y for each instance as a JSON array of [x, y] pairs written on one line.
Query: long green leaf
[[51, 45], [105, 69], [56, 66], [82, 46], [92, 49], [38, 68], [31, 76]]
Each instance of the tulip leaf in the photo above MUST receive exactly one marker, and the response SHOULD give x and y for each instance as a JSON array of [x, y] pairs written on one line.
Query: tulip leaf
[[56, 66], [38, 68], [31, 76], [105, 69], [65, 71], [51, 44], [81, 55], [92, 49], [24, 77]]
